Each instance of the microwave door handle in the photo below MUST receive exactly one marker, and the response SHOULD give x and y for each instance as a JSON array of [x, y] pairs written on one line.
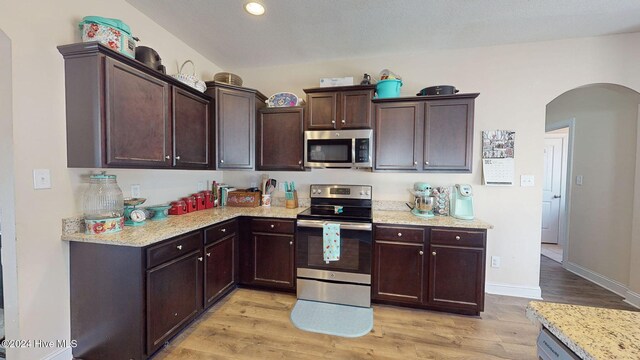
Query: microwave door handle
[[353, 151]]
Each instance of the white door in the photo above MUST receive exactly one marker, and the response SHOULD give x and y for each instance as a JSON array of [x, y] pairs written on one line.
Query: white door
[[551, 189]]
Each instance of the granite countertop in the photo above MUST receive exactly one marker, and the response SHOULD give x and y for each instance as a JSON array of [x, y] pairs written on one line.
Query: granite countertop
[[590, 332], [154, 231], [407, 218]]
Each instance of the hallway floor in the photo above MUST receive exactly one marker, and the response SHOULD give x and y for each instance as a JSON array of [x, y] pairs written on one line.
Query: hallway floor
[[552, 251], [562, 286]]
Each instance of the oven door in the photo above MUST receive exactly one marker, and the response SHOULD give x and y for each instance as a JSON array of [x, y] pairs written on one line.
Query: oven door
[[355, 247]]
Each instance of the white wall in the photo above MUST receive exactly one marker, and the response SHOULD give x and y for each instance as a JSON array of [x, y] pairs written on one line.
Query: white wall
[[633, 292], [515, 83], [35, 29], [604, 153]]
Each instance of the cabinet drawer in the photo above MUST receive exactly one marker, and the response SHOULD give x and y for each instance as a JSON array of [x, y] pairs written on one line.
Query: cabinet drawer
[[273, 226], [219, 231], [171, 249], [457, 237], [401, 234]]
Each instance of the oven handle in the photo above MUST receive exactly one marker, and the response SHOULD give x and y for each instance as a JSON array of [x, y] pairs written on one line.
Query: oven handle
[[343, 225]]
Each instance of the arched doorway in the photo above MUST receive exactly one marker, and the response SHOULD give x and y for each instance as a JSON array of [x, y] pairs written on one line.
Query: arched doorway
[[602, 123], [7, 198]]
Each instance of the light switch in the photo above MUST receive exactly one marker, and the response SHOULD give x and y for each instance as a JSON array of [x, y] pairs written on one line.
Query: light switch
[[41, 179], [135, 191], [527, 180], [579, 180]]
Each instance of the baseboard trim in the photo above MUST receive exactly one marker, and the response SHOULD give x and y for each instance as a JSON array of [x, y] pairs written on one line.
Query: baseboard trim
[[594, 277], [60, 354], [514, 290], [632, 298]]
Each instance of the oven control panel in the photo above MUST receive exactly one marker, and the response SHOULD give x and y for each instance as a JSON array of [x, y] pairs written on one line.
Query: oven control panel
[[341, 191]]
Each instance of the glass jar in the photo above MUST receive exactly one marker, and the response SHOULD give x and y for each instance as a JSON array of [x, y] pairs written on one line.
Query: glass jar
[[103, 205]]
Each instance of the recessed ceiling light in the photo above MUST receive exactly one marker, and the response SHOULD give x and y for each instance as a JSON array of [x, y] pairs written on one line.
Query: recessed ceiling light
[[254, 8]]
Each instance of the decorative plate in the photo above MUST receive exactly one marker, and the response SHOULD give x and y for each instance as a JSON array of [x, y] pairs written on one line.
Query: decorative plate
[[282, 99]]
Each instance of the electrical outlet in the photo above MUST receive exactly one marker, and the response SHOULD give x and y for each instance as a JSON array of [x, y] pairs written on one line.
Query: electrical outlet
[[579, 180], [527, 180], [135, 191], [253, 184], [41, 179], [495, 261]]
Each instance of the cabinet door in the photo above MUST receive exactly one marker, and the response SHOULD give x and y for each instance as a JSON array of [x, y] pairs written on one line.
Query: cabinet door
[[398, 271], [456, 277], [190, 130], [235, 112], [322, 111], [279, 139], [174, 297], [355, 109], [273, 256], [448, 135], [138, 129], [219, 269], [398, 135]]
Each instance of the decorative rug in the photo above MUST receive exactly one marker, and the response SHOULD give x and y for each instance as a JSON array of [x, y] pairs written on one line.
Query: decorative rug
[[332, 319]]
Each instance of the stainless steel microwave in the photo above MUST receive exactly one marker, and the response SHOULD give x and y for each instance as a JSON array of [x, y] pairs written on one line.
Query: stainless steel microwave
[[338, 149]]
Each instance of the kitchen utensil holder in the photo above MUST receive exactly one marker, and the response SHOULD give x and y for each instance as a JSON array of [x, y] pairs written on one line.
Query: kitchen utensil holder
[[292, 203]]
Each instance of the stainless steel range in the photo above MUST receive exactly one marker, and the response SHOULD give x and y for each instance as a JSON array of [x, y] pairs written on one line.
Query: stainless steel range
[[347, 280]]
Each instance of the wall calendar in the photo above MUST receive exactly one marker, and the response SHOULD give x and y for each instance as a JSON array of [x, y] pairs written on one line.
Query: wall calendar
[[498, 165]]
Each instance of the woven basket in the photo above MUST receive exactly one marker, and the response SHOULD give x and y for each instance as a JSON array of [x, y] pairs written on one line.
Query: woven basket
[[228, 78], [190, 79]]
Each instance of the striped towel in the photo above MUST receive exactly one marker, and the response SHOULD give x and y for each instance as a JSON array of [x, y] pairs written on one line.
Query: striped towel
[[331, 242]]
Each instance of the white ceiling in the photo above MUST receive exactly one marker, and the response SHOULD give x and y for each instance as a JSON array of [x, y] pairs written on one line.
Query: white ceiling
[[301, 31]]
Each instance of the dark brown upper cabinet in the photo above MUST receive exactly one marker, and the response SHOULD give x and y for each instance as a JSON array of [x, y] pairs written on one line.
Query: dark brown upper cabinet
[[426, 133], [342, 107], [398, 135], [279, 139], [123, 114], [235, 119]]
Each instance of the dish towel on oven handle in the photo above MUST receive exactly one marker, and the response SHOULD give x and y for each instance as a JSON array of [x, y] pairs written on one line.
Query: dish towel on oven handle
[[330, 242]]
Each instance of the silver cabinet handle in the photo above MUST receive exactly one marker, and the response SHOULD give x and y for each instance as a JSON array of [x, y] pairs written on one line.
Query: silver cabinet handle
[[433, 253], [179, 247], [272, 226], [177, 157], [344, 122], [290, 242], [415, 163], [200, 258], [223, 230], [168, 157], [175, 314], [399, 234], [299, 162], [221, 161], [426, 163], [457, 237], [421, 252], [209, 254], [333, 122]]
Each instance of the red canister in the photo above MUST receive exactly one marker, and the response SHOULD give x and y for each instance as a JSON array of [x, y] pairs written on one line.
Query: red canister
[[178, 208], [191, 203], [208, 199], [200, 205]]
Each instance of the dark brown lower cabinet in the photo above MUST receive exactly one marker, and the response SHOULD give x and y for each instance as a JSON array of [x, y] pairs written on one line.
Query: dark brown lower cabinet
[[273, 260], [456, 277], [399, 275], [174, 297], [449, 277], [219, 269]]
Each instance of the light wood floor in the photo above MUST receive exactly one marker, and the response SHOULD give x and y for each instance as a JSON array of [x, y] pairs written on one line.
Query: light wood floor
[[251, 324]]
